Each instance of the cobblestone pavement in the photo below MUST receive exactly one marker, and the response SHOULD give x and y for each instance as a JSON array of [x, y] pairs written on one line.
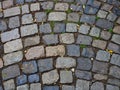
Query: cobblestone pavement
[[59, 45]]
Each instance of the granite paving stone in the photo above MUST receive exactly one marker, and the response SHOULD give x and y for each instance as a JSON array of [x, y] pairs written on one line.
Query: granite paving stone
[[59, 45]]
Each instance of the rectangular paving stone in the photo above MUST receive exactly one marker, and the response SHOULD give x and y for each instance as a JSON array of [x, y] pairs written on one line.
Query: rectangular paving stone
[[35, 86], [9, 85], [11, 11], [116, 38], [12, 58], [7, 3], [10, 72], [65, 62], [22, 79], [23, 87], [61, 6], [13, 46], [27, 19], [51, 87], [25, 9], [99, 44], [58, 50], [45, 28], [30, 41], [10, 35], [29, 30], [41, 16], [35, 7], [115, 59], [57, 16], [35, 52], [71, 27], [97, 86], [68, 87]]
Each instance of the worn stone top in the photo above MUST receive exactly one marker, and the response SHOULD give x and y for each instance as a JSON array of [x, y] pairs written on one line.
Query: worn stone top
[[59, 45]]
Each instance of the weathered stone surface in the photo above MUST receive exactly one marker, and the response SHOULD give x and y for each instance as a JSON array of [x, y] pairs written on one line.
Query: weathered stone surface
[[102, 14], [105, 35], [11, 11], [59, 27], [68, 87], [58, 50], [115, 71], [22, 79], [34, 78], [7, 3], [82, 85], [1, 63], [50, 77], [105, 24], [25, 9], [10, 72], [83, 74], [73, 50], [27, 19], [55, 87], [13, 46], [35, 7], [83, 39], [115, 59], [111, 87], [97, 86], [95, 32], [23, 87], [29, 67], [50, 39], [14, 22], [10, 35], [65, 62], [9, 85], [67, 38], [116, 38], [100, 77], [84, 63], [30, 41], [114, 81], [35, 86], [57, 16], [84, 29], [87, 19], [116, 29], [99, 44], [45, 28], [40, 16], [100, 67], [66, 76], [3, 25], [29, 30], [112, 17], [61, 6], [74, 17], [45, 64], [90, 10], [47, 5], [71, 27], [88, 52], [103, 56], [12, 58]]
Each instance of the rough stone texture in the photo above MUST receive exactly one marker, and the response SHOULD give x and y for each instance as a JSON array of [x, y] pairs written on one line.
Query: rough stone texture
[[55, 87], [82, 39], [9, 85], [45, 64], [34, 78], [58, 50], [84, 29], [111, 87], [84, 63], [14, 22], [65, 62], [10, 72], [57, 16], [35, 86], [10, 35], [105, 35], [82, 85], [13, 46], [35, 7], [22, 79], [25, 9], [115, 59], [29, 30], [27, 19], [31, 69], [73, 50], [97, 86], [11, 11], [1, 63], [40, 16], [59, 27], [100, 67], [99, 44], [67, 38], [12, 58], [61, 6], [105, 24], [103, 55], [45, 28], [100, 77], [3, 25], [50, 77], [71, 27], [23, 87], [47, 5], [95, 32], [114, 81], [116, 38], [116, 29], [83, 75], [74, 17], [88, 52], [115, 71], [67, 87], [30, 41], [7, 3], [66, 76], [50, 39]]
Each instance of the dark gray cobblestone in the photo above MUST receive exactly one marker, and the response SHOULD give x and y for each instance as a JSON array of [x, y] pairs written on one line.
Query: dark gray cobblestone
[[59, 45]]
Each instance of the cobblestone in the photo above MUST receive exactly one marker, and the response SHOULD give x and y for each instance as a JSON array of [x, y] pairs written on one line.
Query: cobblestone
[[59, 45]]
